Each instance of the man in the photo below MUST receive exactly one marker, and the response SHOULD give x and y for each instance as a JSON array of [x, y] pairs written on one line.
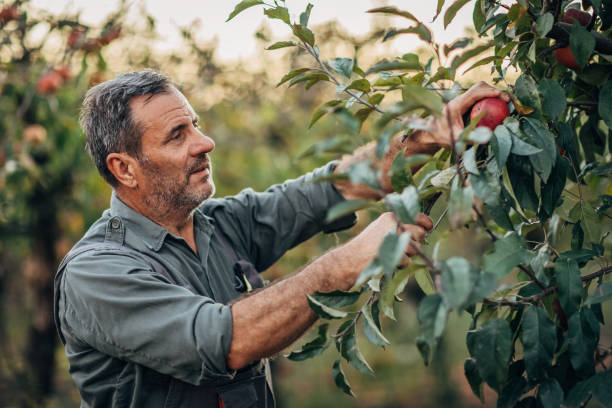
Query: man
[[149, 303]]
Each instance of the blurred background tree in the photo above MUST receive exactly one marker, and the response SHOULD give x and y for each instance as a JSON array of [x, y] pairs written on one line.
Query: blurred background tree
[[50, 191]]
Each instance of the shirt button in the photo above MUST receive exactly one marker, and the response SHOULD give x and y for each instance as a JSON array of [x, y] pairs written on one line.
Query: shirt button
[[115, 224]]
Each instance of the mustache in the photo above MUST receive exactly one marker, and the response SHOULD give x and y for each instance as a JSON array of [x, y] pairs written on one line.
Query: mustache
[[200, 160]]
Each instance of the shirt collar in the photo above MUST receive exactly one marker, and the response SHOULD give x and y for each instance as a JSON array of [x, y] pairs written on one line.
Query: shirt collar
[[147, 230]]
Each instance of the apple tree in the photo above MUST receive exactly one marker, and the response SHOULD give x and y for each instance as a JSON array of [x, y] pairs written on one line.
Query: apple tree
[[537, 185]]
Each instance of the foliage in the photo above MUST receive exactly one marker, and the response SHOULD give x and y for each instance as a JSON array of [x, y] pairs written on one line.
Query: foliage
[[537, 179]]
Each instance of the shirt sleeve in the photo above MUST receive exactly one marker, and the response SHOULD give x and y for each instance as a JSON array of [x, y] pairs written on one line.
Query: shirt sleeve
[[269, 223], [118, 305]]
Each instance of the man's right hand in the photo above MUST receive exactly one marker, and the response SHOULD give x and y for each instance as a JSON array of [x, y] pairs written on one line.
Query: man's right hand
[[364, 247]]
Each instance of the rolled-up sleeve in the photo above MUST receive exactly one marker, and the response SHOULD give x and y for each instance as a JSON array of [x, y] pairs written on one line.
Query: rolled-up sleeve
[[269, 223], [118, 305]]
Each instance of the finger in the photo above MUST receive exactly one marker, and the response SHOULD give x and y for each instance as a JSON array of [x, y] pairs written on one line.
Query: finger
[[477, 92], [404, 262], [424, 221], [411, 249]]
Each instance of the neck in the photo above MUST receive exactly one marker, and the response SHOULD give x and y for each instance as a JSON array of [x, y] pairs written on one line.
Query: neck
[[178, 221]]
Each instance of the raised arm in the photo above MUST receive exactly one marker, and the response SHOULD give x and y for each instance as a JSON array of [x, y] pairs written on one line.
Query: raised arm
[[420, 142], [273, 318]]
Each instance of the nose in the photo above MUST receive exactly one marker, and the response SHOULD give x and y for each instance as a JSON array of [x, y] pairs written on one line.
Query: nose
[[201, 144]]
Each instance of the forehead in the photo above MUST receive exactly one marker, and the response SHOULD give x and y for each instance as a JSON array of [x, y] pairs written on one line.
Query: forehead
[[161, 110]]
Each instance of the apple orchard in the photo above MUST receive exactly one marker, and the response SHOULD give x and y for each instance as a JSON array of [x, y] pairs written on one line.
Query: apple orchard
[[533, 177]]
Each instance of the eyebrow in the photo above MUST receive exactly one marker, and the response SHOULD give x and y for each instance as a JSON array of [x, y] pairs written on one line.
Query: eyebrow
[[180, 126]]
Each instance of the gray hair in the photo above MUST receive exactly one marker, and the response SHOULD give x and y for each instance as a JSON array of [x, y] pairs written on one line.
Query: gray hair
[[106, 117]]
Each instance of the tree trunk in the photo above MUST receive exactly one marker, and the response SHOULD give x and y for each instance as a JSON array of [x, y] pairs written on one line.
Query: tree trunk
[[39, 271]]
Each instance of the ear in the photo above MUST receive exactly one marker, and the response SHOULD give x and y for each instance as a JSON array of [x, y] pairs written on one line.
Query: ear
[[123, 166]]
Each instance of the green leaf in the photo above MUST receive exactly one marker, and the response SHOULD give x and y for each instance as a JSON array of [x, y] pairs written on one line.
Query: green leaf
[[373, 269], [598, 385], [326, 108], [279, 13], [347, 207], [420, 29], [553, 97], [405, 205], [501, 144], [568, 279], [324, 311], [582, 44], [511, 392], [243, 5], [484, 285], [304, 34], [460, 205], [526, 91], [312, 348], [509, 252], [370, 328], [432, 314], [451, 12], [473, 376], [282, 44], [553, 188], [392, 250], [292, 75], [350, 351], [422, 97], [468, 55], [309, 78], [394, 11], [550, 393], [338, 144], [491, 347], [520, 173], [424, 280], [340, 379], [539, 342], [604, 108], [544, 24], [480, 135], [521, 148], [393, 65], [336, 298], [362, 85], [544, 139], [469, 160], [362, 173], [582, 337], [305, 16], [458, 279], [343, 66], [478, 17], [603, 293], [392, 288]]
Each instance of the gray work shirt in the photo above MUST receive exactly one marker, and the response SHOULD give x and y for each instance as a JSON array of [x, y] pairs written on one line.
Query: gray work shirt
[[125, 325]]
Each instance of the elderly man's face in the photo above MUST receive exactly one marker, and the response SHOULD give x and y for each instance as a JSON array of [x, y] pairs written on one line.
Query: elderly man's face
[[175, 170]]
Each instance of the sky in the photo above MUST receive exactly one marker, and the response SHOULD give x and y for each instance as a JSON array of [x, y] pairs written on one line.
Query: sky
[[236, 37]]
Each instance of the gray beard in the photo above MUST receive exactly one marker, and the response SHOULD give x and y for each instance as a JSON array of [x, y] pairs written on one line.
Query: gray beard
[[168, 199]]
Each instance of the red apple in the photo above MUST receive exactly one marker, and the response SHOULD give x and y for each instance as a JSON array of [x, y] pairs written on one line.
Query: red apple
[[8, 13], [583, 18], [49, 83], [496, 111], [64, 71], [566, 58]]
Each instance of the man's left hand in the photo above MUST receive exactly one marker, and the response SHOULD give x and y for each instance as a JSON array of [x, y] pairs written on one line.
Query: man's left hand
[[446, 129]]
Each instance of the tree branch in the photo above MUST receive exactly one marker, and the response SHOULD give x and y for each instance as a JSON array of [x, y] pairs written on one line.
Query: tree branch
[[561, 32]]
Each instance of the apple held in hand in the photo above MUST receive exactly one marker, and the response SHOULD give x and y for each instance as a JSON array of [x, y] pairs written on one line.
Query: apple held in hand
[[496, 111]]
